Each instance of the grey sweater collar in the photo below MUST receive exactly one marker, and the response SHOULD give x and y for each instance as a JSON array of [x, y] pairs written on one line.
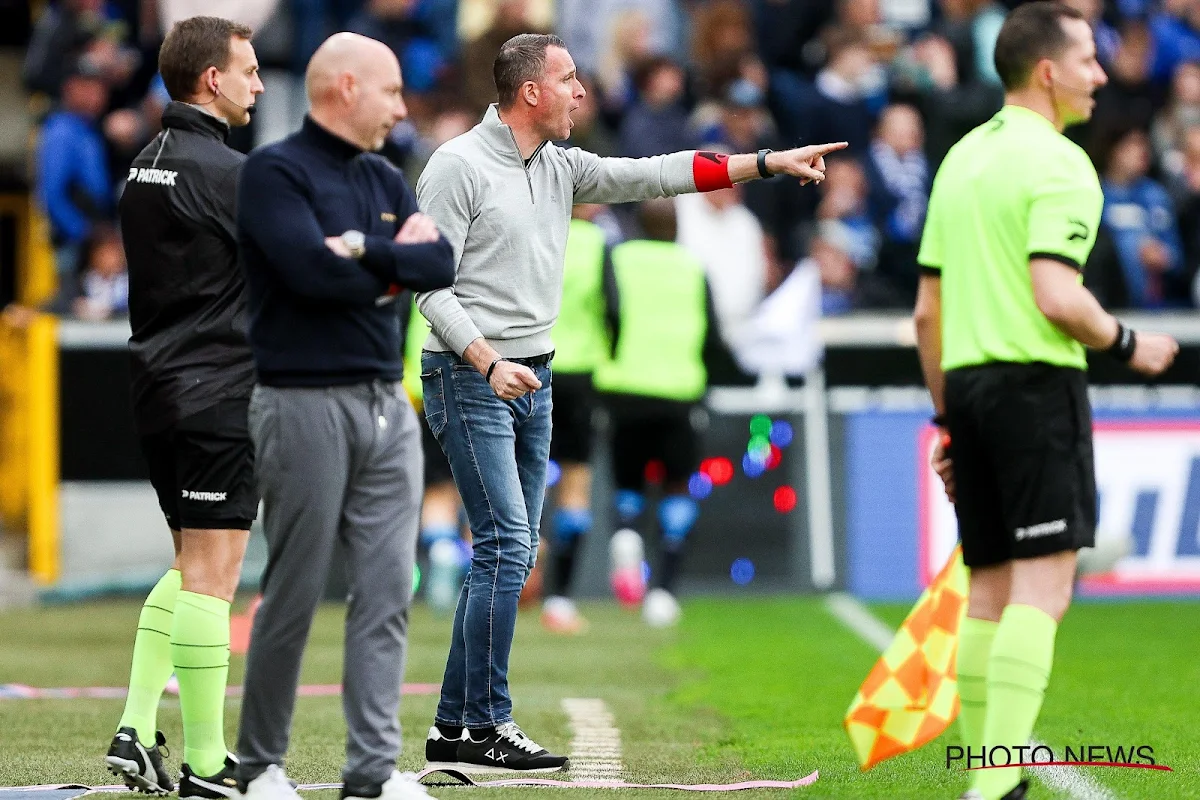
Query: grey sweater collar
[[500, 137]]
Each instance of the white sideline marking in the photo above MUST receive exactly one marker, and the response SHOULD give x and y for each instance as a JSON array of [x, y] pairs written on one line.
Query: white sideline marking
[[595, 742], [875, 632]]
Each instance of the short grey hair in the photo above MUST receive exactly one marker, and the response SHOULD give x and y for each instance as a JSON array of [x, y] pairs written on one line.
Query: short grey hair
[[522, 58]]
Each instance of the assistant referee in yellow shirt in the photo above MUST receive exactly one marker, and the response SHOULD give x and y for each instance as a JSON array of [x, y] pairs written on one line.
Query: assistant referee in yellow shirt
[[1002, 323]]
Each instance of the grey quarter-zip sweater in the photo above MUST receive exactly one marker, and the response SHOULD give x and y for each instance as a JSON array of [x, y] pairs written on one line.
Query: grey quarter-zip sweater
[[507, 221]]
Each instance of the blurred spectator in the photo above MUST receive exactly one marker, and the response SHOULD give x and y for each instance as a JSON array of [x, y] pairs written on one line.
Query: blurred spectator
[[630, 42], [787, 39], [1105, 35], [1175, 30], [75, 30], [852, 88], [971, 27], [592, 28], [1129, 98], [1139, 215], [1182, 113], [829, 258], [657, 123], [475, 17], [844, 199], [898, 176], [728, 240], [105, 282], [1188, 202], [72, 180], [722, 42], [405, 27], [478, 55]]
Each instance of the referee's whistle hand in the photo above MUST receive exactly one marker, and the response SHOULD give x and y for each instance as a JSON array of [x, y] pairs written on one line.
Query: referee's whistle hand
[[1153, 353], [943, 466], [511, 380]]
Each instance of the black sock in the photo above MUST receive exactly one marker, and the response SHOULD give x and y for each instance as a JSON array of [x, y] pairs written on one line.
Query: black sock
[[564, 565], [449, 731], [669, 569]]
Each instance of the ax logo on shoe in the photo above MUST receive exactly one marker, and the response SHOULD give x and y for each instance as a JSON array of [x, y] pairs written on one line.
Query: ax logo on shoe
[[495, 756], [209, 497]]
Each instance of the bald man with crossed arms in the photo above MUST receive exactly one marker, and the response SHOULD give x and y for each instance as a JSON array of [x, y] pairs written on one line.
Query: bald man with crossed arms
[[329, 234]]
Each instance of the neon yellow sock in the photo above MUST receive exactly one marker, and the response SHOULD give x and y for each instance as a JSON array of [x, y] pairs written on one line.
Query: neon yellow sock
[[200, 651], [1018, 671], [974, 647], [151, 667]]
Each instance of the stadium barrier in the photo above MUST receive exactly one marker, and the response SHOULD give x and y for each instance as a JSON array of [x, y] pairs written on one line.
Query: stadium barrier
[[29, 443], [29, 435], [839, 506]]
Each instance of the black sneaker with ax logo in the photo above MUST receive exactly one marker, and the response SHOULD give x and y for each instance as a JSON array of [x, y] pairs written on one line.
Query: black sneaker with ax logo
[[506, 750]]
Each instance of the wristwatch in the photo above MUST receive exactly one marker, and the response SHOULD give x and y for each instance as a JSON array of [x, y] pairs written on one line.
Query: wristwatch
[[355, 242], [762, 163]]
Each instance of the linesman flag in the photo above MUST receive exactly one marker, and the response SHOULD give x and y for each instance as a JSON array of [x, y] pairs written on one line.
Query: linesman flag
[[911, 695]]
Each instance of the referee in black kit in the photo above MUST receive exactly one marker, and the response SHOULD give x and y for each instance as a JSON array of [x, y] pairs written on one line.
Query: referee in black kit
[[330, 234], [192, 377]]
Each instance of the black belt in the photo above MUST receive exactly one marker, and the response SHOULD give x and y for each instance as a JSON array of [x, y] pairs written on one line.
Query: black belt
[[534, 361], [529, 361]]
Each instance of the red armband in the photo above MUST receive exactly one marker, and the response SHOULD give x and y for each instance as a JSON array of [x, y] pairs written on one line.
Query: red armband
[[710, 171]]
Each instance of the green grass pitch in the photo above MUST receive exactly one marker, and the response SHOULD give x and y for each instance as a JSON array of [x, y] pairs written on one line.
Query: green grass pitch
[[744, 689]]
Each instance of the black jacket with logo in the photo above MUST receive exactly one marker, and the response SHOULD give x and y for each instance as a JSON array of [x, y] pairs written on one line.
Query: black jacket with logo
[[187, 293]]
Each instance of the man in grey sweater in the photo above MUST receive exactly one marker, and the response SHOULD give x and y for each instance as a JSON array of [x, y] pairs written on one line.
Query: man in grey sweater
[[502, 194]]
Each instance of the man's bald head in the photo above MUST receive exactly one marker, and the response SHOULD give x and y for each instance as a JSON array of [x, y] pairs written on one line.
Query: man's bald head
[[345, 54], [354, 85]]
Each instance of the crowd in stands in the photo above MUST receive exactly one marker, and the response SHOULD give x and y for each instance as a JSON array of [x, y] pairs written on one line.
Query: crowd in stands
[[900, 80]]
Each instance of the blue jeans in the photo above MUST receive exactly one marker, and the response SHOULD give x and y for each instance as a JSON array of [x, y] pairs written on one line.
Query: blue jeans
[[498, 451]]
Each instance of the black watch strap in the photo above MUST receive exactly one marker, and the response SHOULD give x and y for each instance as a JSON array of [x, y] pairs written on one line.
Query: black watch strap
[[1123, 346], [762, 162]]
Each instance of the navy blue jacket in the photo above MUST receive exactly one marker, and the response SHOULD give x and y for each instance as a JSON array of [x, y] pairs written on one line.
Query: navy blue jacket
[[317, 319]]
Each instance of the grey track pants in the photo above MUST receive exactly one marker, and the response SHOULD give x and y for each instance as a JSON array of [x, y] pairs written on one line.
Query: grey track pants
[[338, 462]]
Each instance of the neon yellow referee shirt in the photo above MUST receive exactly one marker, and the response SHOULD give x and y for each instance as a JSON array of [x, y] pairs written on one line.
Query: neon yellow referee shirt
[[1011, 190]]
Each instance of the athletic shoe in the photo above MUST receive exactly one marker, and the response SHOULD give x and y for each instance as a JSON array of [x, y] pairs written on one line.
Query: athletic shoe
[[401, 786], [506, 750], [1018, 792], [271, 784], [442, 752], [213, 787], [139, 766], [559, 615], [661, 609]]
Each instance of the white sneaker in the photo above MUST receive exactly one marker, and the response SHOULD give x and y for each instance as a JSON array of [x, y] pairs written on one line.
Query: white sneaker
[[661, 609], [271, 784], [401, 786], [559, 615]]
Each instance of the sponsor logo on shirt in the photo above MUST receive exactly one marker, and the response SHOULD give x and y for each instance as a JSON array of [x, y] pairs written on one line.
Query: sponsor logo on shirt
[[207, 497], [160, 177]]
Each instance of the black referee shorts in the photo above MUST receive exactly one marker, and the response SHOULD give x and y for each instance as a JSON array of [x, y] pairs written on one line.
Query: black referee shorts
[[571, 417], [202, 469], [650, 429], [1021, 443]]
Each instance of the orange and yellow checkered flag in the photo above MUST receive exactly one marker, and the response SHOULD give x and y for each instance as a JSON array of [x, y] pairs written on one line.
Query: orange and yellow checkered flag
[[911, 695]]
